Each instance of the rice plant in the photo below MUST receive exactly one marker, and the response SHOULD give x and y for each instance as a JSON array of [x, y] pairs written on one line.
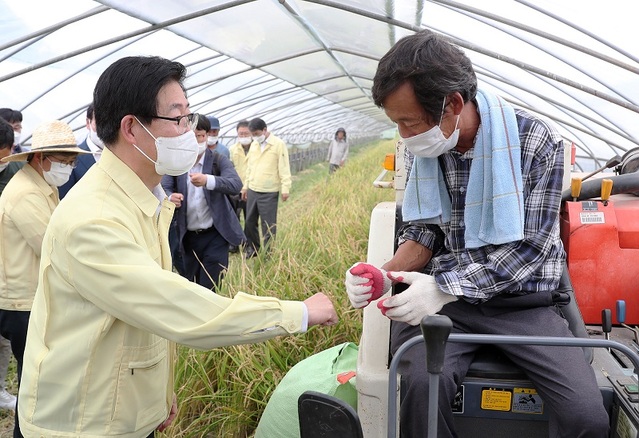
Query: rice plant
[[322, 231]]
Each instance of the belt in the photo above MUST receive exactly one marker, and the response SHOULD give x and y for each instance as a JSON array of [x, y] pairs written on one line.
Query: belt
[[202, 231]]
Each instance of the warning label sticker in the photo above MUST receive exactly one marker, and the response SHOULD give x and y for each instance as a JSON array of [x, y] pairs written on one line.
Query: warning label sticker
[[496, 399], [527, 401], [625, 428], [592, 217], [589, 206]]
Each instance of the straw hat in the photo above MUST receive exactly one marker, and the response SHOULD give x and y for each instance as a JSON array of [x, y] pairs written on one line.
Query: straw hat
[[54, 136]]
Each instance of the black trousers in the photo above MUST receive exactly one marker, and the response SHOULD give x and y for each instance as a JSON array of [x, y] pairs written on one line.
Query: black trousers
[[260, 207], [174, 246], [563, 377], [212, 250], [13, 326], [239, 206]]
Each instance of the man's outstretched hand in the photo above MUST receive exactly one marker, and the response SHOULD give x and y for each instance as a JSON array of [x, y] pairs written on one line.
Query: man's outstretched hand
[[320, 310]]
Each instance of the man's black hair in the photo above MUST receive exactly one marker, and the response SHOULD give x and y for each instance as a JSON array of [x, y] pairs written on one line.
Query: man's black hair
[[242, 124], [203, 124], [257, 124], [10, 115], [130, 86], [6, 134]]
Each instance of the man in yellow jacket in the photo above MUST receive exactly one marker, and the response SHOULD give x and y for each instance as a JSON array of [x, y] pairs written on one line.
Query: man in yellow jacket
[[99, 356], [26, 206], [239, 157], [268, 174]]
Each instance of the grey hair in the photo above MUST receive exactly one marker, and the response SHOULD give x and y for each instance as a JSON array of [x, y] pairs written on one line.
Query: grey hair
[[434, 67]]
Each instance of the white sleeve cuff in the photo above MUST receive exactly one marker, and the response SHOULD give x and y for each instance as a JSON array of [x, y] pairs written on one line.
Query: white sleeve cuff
[[304, 319], [210, 182]]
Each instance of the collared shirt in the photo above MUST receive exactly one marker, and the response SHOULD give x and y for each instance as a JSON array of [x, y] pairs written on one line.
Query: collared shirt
[[337, 151], [268, 169], [239, 158], [533, 264], [220, 148], [198, 213], [26, 205], [98, 361], [95, 150]]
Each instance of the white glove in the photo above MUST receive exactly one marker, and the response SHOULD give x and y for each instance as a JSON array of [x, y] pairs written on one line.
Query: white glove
[[365, 283], [423, 297]]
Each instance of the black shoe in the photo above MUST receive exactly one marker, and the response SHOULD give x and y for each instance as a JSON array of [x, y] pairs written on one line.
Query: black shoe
[[250, 254], [233, 249]]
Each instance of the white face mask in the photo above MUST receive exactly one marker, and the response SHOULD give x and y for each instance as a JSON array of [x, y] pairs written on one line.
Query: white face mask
[[211, 140], [244, 141], [16, 137], [201, 147], [58, 174], [93, 135], [432, 143], [3, 166], [175, 155], [259, 139]]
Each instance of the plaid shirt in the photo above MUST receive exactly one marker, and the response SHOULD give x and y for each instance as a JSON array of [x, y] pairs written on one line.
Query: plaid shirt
[[530, 265]]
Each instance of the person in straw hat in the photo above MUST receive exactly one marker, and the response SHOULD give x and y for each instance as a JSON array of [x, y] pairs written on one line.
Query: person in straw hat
[[26, 205]]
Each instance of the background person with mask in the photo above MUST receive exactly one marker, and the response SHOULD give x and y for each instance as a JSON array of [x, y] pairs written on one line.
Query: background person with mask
[[14, 117], [239, 158], [100, 346], [337, 151], [169, 183], [26, 205], [206, 223], [91, 143], [7, 170], [213, 140], [268, 173]]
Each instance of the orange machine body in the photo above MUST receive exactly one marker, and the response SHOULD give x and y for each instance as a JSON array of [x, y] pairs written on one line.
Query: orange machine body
[[602, 247]]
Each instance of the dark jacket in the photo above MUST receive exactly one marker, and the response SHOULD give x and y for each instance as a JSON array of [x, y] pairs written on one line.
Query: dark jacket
[[227, 182], [83, 163]]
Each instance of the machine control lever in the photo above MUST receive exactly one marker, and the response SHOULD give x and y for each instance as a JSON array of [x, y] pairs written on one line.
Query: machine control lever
[[575, 188], [606, 323], [606, 189], [621, 318], [609, 164], [436, 329]]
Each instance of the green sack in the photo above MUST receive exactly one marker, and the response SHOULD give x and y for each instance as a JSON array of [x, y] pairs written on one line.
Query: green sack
[[331, 372]]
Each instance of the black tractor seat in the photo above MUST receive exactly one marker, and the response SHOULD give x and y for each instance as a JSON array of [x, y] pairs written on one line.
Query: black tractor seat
[[491, 363]]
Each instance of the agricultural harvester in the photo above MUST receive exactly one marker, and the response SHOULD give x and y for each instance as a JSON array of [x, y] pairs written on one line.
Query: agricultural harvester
[[600, 231]]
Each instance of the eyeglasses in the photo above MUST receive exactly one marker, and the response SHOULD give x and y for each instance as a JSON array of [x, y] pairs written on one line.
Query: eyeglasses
[[188, 121], [63, 164]]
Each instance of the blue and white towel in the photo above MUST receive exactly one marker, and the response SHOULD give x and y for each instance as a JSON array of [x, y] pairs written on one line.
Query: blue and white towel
[[494, 211]]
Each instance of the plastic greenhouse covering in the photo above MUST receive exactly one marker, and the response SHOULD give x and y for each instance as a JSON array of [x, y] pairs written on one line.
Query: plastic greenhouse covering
[[306, 66]]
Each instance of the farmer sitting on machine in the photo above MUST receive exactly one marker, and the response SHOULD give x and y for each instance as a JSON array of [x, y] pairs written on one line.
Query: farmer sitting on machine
[[481, 244]]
